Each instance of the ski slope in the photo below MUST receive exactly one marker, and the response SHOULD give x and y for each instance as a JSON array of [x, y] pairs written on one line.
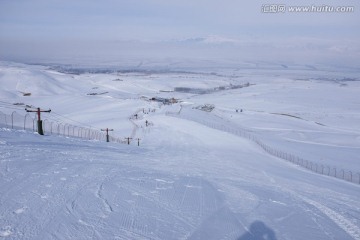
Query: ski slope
[[187, 179]]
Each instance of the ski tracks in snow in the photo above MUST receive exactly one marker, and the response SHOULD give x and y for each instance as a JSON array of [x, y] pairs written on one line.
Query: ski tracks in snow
[[337, 218], [100, 195]]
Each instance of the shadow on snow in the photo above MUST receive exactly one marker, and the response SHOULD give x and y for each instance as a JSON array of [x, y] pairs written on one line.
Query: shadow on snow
[[258, 231]]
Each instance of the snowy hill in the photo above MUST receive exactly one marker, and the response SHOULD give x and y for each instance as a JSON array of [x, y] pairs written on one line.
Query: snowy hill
[[196, 174]]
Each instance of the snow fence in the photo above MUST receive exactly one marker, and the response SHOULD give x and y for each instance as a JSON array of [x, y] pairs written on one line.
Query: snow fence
[[27, 122], [204, 119]]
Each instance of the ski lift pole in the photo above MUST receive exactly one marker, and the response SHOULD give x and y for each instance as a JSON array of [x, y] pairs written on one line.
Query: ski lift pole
[[39, 122], [107, 133], [128, 140]]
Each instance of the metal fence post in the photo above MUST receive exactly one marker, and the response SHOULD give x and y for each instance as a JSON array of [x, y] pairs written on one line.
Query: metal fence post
[[12, 120]]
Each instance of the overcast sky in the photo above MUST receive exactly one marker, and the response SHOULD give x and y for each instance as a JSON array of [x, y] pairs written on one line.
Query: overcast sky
[[36, 29]]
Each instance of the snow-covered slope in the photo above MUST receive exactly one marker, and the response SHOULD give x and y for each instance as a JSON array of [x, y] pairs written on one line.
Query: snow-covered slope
[[193, 175]]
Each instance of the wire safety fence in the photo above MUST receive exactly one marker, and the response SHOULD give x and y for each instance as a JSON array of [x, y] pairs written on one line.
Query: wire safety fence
[[347, 175], [28, 122]]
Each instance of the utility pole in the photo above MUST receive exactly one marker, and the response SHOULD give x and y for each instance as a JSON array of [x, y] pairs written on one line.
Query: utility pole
[[128, 140], [39, 122], [138, 140], [107, 133]]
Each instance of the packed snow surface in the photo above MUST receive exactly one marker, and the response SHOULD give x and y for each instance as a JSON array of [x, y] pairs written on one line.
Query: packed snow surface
[[193, 175]]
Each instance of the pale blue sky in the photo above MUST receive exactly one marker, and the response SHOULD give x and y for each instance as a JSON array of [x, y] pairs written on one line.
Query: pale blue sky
[[31, 28]]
